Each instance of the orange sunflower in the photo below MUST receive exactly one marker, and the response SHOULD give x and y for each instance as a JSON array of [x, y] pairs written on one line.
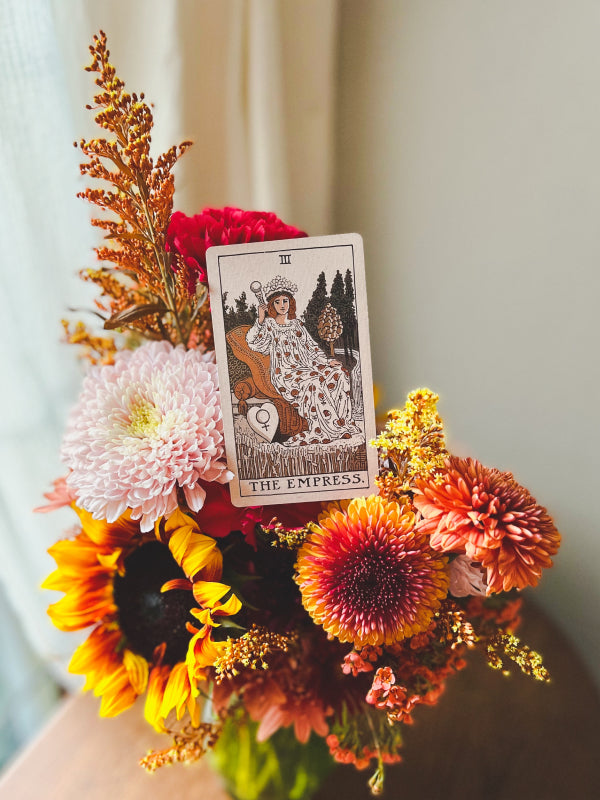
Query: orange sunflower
[[367, 576], [144, 593]]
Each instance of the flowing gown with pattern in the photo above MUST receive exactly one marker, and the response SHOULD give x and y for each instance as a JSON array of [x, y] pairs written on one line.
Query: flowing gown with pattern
[[303, 375]]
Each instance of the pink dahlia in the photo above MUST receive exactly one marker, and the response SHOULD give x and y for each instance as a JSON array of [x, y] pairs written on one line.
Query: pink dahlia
[[143, 427], [188, 238], [488, 516]]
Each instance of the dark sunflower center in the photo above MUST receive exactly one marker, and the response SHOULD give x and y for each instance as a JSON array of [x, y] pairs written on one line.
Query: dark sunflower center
[[147, 616]]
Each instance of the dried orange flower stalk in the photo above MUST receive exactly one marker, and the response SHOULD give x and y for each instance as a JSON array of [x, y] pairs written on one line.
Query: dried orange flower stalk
[[140, 292], [453, 627], [412, 444], [188, 746], [250, 651], [97, 349]]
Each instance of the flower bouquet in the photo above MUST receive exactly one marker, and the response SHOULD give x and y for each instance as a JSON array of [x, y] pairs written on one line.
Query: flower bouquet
[[282, 638]]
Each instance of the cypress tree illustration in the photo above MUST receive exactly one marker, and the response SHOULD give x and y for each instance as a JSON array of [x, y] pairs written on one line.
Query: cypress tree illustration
[[315, 305], [337, 301], [348, 315], [244, 315], [337, 291], [228, 313], [241, 314]]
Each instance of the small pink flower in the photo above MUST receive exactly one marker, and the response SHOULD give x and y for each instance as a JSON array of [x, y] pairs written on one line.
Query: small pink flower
[[59, 497], [355, 662], [144, 427], [384, 679]]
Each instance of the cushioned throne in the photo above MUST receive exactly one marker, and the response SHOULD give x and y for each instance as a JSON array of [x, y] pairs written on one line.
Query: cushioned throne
[[258, 384]]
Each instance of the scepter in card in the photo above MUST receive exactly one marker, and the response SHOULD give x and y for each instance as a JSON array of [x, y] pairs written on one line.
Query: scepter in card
[[294, 368]]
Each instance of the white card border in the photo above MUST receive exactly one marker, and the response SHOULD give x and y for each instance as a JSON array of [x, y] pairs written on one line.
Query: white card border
[[213, 256]]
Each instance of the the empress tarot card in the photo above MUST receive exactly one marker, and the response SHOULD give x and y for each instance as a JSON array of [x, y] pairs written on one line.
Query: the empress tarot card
[[292, 344]]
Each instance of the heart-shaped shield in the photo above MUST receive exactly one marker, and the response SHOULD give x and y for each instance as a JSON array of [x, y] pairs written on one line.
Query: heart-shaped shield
[[263, 420]]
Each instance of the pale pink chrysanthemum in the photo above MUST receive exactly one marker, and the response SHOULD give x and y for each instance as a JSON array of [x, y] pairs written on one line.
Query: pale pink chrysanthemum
[[144, 426]]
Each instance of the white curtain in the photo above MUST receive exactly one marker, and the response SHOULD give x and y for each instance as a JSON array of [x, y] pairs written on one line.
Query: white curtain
[[44, 237], [251, 82]]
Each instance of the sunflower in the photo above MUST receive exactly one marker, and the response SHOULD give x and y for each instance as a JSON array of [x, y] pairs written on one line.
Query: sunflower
[[144, 593], [367, 576]]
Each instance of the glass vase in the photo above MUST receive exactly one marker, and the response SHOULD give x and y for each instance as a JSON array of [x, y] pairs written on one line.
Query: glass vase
[[279, 769]]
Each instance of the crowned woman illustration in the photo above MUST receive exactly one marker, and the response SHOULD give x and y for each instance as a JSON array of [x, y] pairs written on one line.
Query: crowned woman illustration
[[317, 386]]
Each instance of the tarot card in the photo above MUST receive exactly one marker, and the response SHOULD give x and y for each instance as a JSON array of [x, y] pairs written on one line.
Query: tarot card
[[292, 343]]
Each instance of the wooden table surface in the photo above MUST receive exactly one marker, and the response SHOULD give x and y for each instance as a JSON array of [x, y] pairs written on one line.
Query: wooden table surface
[[489, 738]]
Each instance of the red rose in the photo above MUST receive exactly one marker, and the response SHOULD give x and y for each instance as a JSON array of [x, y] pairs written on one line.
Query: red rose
[[218, 517], [291, 515], [190, 237]]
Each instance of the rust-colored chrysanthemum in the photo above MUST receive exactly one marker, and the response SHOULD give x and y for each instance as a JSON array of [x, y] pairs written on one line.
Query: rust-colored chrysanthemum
[[367, 576], [143, 593], [486, 514]]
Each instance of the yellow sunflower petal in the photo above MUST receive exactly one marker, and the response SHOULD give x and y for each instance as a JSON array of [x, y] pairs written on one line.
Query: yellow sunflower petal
[[195, 711], [111, 560], [56, 581], [74, 555], [78, 609], [208, 593], [117, 693], [231, 606], [178, 543], [108, 533], [177, 691], [202, 557], [137, 670], [196, 553], [181, 694], [97, 655], [203, 652], [154, 698], [202, 615]]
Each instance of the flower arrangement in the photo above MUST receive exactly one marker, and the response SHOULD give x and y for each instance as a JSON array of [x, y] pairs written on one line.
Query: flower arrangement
[[334, 621]]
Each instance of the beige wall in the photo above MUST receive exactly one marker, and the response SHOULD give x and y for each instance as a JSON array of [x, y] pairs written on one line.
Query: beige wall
[[469, 158]]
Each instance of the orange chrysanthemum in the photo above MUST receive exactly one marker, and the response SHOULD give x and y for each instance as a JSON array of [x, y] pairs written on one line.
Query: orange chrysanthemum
[[486, 514], [367, 576], [142, 592]]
